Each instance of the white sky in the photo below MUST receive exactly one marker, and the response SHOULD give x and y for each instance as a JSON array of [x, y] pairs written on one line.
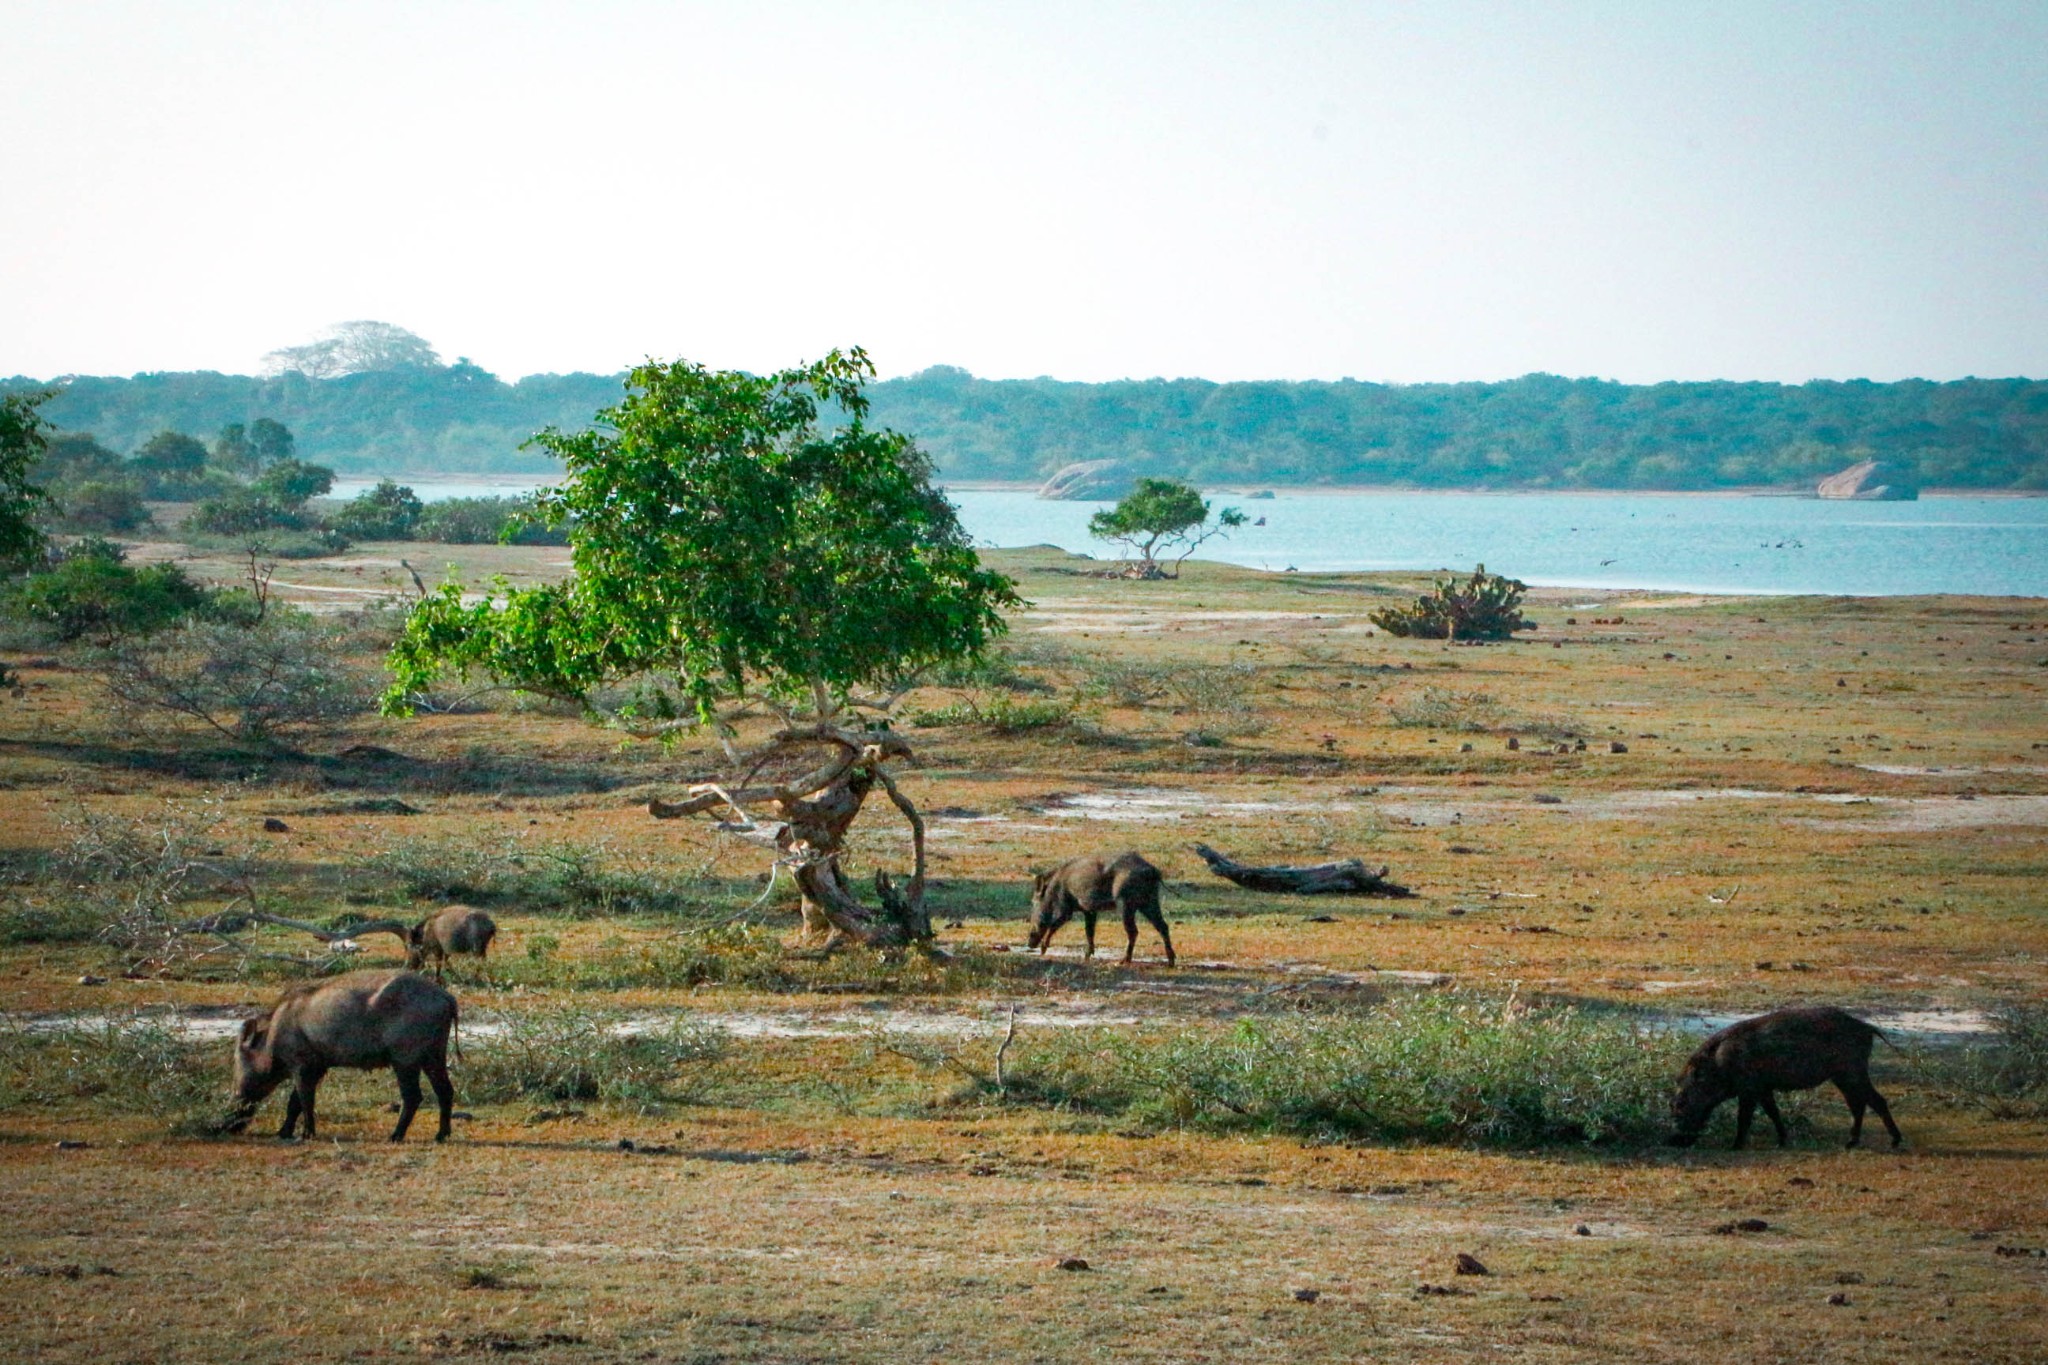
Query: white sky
[[1391, 191]]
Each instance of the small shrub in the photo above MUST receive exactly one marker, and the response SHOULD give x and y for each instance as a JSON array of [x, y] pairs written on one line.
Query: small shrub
[[2007, 1077], [570, 1053], [242, 511], [1483, 607], [249, 682]]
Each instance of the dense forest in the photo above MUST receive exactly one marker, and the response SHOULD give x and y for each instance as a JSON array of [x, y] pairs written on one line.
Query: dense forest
[[1539, 431]]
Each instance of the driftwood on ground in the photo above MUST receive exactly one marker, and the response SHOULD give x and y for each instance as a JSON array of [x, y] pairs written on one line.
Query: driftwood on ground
[[1348, 878]]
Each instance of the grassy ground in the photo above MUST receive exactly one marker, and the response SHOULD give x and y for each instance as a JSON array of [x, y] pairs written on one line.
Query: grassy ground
[[1819, 799]]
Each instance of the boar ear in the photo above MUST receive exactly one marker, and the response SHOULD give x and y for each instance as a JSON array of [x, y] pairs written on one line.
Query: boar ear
[[254, 1029]]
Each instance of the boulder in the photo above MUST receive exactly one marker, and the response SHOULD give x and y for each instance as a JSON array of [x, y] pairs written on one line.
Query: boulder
[[1869, 481], [1090, 481]]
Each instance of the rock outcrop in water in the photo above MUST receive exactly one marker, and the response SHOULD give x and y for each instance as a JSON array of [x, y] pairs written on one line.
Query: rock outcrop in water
[[1090, 480], [1870, 481]]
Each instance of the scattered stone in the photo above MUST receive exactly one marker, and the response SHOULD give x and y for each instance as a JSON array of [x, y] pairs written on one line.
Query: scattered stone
[[1464, 748], [1581, 1230], [1069, 1263], [90, 980], [1307, 1295], [1322, 919], [1800, 1181], [72, 1144], [1849, 1277], [1615, 746], [1742, 1225], [1839, 1299], [1442, 1291], [550, 1115], [1513, 743], [273, 825], [1469, 1264], [1546, 1298], [2021, 1251], [1579, 746], [627, 1145], [1546, 799]]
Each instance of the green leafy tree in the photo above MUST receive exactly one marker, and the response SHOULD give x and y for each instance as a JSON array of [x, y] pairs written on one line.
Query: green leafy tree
[[1159, 518], [729, 549], [172, 465], [1483, 607], [293, 483], [22, 443], [107, 508], [269, 442], [93, 595], [232, 451], [390, 511]]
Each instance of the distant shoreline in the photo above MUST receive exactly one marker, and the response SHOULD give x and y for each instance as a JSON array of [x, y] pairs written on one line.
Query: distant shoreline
[[1241, 490]]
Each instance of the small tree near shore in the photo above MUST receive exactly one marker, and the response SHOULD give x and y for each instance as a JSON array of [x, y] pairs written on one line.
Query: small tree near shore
[[1158, 518], [731, 557]]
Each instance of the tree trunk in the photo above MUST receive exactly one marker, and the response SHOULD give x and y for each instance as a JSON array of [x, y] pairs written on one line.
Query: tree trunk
[[1348, 878], [812, 816]]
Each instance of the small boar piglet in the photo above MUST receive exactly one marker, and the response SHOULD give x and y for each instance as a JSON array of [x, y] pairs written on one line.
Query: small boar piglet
[[368, 1020], [1788, 1049], [456, 929], [1089, 886]]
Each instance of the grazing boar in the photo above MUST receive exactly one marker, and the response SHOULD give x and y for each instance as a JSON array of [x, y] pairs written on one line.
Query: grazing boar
[[1789, 1049], [457, 929], [370, 1020], [1092, 885]]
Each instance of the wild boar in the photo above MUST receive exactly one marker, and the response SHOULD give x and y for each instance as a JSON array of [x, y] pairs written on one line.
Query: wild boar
[[1788, 1049], [457, 929], [370, 1020], [1090, 886]]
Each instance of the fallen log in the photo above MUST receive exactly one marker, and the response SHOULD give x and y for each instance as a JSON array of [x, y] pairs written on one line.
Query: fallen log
[[1348, 878]]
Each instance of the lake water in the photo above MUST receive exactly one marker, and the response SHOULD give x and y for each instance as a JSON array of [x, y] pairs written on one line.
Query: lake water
[[1685, 543]]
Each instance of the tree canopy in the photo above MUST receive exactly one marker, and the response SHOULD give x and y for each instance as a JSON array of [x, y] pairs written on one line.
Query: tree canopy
[[1158, 518], [355, 348], [723, 538], [21, 447]]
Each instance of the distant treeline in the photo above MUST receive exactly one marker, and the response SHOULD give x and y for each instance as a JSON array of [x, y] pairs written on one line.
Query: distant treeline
[[1540, 431]]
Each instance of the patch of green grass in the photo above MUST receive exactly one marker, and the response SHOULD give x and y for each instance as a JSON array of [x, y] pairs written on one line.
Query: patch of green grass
[[1439, 1067], [129, 1065], [567, 1052]]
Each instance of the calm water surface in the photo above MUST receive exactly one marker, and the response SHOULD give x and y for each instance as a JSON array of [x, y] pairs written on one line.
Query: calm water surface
[[1728, 544]]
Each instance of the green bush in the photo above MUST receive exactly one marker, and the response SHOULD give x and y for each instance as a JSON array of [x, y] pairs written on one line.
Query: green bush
[[102, 507], [1440, 1067], [1483, 607], [486, 521], [566, 1052], [241, 511], [95, 595], [390, 511], [1005, 715]]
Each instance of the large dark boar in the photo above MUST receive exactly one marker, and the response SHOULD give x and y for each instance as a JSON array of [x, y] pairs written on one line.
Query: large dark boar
[[457, 929], [1790, 1049], [370, 1020], [1090, 886]]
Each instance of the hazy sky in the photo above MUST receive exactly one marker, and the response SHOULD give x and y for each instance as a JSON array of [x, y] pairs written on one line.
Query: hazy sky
[[1397, 192]]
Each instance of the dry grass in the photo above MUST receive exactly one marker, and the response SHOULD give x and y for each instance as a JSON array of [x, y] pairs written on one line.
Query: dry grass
[[1769, 835]]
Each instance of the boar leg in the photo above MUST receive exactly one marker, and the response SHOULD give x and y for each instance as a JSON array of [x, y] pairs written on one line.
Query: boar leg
[[1745, 1114], [1158, 921], [1130, 931], [1770, 1108], [305, 1082], [1088, 922], [291, 1117], [408, 1099], [1884, 1111], [444, 1093]]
